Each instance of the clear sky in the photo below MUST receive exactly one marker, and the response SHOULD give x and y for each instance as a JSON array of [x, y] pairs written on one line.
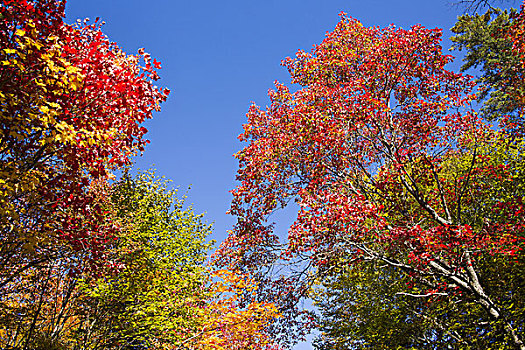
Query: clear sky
[[217, 57]]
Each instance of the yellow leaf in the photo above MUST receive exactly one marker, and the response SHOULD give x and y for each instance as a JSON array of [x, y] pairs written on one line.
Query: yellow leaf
[[53, 104]]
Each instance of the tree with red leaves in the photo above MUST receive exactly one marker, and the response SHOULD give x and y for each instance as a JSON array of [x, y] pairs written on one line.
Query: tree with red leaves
[[71, 108], [388, 165]]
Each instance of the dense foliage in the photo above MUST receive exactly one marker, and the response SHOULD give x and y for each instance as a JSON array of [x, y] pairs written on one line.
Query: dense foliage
[[395, 178], [87, 262], [71, 107], [494, 43], [143, 300], [409, 226]]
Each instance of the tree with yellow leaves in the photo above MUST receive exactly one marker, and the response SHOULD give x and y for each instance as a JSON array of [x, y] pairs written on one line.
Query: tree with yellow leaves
[[71, 104]]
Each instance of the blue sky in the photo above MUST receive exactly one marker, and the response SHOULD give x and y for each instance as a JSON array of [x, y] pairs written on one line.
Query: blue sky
[[217, 57]]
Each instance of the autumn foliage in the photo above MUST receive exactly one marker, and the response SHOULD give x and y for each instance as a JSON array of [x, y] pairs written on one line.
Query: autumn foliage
[[387, 163], [71, 108], [72, 104], [88, 262], [408, 198]]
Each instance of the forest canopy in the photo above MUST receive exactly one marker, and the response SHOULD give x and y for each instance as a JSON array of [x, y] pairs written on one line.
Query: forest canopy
[[404, 177]]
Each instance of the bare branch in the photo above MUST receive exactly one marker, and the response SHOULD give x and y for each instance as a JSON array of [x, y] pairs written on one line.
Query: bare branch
[[474, 6], [421, 295]]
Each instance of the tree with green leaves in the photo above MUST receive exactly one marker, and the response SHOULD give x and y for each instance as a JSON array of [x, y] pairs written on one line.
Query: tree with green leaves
[[160, 276], [377, 307], [359, 308], [494, 44], [146, 297]]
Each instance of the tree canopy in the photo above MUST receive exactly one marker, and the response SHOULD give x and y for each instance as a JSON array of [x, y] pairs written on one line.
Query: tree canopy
[[493, 42], [407, 180], [88, 261], [394, 175]]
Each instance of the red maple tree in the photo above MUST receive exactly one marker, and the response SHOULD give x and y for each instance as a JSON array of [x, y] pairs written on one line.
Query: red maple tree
[[386, 161], [72, 105]]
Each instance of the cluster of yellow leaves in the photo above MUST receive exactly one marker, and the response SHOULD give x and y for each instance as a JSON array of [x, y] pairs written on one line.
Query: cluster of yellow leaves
[[227, 323], [55, 77], [30, 116]]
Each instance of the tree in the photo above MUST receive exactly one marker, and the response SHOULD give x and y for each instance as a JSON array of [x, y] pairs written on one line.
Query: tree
[[158, 293], [494, 43], [360, 308], [71, 108], [165, 295], [387, 162], [70, 112], [161, 277], [369, 306]]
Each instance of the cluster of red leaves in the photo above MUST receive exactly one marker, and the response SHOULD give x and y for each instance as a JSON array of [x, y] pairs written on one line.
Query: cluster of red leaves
[[73, 104], [365, 149], [325, 143], [117, 94]]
